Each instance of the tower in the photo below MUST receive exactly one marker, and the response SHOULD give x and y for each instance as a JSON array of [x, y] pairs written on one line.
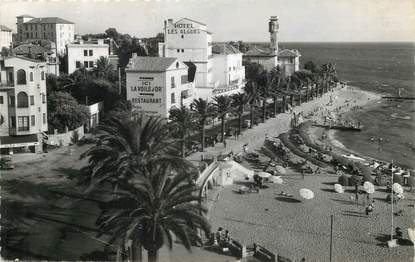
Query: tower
[[273, 31]]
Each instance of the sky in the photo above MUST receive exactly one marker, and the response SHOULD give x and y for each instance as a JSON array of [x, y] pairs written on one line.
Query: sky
[[300, 20]]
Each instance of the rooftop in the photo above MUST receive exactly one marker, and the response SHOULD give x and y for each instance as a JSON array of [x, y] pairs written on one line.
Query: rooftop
[[191, 20], [29, 48], [48, 20], [288, 53], [224, 49], [149, 63], [5, 28], [255, 51], [28, 16]]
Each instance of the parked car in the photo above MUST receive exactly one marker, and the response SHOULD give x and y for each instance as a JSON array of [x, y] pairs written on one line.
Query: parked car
[[5, 164]]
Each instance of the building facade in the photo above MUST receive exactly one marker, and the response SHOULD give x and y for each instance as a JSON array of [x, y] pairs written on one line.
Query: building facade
[[38, 52], [84, 54], [190, 41], [23, 104], [5, 37], [271, 56], [58, 30], [156, 84]]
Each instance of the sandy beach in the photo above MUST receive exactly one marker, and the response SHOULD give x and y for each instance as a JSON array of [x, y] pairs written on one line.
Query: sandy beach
[[296, 228]]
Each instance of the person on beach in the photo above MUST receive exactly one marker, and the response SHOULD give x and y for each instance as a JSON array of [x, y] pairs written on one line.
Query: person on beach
[[224, 143]]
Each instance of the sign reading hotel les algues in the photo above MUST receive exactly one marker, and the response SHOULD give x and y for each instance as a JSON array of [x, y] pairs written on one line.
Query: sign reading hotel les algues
[[183, 29], [146, 94]]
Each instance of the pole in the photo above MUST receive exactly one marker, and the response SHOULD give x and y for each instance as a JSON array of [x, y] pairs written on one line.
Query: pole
[[119, 80], [392, 201], [331, 237]]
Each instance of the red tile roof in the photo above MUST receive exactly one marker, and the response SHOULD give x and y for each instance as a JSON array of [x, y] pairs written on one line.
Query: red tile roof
[[150, 63]]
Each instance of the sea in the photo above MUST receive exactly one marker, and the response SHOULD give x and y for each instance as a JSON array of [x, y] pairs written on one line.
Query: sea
[[388, 132]]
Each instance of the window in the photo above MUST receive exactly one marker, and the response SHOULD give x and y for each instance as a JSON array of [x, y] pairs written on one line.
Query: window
[[173, 85], [44, 118], [31, 76], [182, 50], [85, 52], [182, 36], [43, 98], [23, 123], [11, 79], [177, 64], [32, 120], [1, 100], [173, 98], [91, 63], [178, 50], [11, 101], [13, 122], [21, 77], [22, 100], [86, 64], [42, 75], [78, 64], [32, 100], [91, 52]]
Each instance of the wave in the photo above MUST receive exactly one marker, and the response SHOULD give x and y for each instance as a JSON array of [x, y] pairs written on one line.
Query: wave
[[395, 115]]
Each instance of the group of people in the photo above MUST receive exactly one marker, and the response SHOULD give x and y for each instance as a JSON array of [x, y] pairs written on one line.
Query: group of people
[[221, 237]]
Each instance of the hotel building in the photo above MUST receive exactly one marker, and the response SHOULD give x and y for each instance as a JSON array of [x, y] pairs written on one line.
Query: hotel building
[[156, 84], [5, 37], [56, 29], [190, 41], [23, 105], [270, 57]]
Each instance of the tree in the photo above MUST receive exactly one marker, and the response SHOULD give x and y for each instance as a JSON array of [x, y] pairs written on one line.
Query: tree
[[64, 111], [266, 86], [182, 121], [311, 66], [128, 147], [104, 68], [251, 88], [202, 109], [239, 102], [223, 105], [276, 87], [254, 71], [151, 210]]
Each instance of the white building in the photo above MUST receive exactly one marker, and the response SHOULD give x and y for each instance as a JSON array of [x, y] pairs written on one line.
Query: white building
[[5, 37], [23, 105], [41, 53], [56, 29], [272, 56], [85, 54], [156, 84], [190, 41]]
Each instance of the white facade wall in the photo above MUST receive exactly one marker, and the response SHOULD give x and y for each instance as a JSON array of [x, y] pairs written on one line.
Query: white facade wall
[[30, 119], [153, 92], [228, 69], [65, 34], [5, 39], [289, 64], [269, 62], [76, 53]]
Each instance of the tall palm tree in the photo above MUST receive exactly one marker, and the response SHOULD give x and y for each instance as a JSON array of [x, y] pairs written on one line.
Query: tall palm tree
[[223, 106], [202, 110], [151, 210], [239, 102], [104, 67], [251, 88], [128, 146], [266, 87], [276, 88], [182, 123]]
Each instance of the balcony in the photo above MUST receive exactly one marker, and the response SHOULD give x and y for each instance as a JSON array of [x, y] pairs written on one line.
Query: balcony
[[6, 85], [23, 128]]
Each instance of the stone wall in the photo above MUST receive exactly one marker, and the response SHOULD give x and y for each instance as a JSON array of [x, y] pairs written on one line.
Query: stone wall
[[64, 139]]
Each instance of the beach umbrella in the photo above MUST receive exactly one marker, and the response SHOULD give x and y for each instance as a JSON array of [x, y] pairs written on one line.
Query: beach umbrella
[[264, 174], [276, 180], [397, 188], [369, 187], [306, 193], [280, 169], [338, 188]]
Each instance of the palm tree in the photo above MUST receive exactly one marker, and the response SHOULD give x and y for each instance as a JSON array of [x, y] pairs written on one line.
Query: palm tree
[[104, 67], [223, 105], [239, 103], [182, 122], [251, 88], [266, 88], [128, 146], [202, 109], [151, 210], [276, 88]]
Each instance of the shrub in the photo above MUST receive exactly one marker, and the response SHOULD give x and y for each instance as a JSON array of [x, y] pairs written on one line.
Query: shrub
[[344, 180], [355, 180], [381, 180], [368, 178], [411, 181]]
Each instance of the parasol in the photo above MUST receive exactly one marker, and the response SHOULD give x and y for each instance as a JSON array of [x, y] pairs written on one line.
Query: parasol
[[306, 193], [276, 180], [264, 174], [369, 187], [397, 188], [280, 169], [338, 188]]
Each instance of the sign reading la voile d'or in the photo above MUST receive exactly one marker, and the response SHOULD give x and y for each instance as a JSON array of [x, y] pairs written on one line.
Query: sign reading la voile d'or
[[144, 91], [183, 29]]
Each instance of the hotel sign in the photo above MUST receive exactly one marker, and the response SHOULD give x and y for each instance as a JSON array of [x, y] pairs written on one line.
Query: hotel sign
[[145, 94], [183, 29]]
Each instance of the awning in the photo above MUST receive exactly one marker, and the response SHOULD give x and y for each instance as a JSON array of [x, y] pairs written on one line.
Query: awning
[[18, 141]]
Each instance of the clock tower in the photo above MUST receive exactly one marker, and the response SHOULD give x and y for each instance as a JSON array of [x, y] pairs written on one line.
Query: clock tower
[[273, 31]]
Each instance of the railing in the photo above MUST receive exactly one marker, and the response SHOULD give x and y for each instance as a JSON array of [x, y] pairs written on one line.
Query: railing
[[23, 128]]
